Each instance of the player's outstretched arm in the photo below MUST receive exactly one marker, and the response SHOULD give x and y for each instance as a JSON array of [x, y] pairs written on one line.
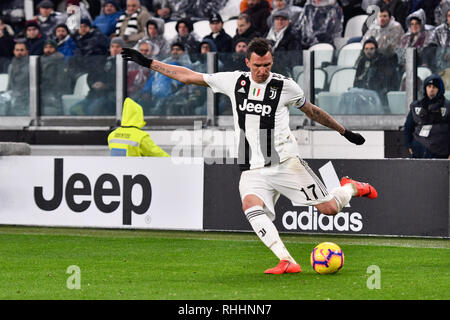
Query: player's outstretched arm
[[179, 73], [324, 118]]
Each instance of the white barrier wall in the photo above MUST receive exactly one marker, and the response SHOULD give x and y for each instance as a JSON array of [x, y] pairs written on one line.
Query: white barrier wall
[[105, 192]]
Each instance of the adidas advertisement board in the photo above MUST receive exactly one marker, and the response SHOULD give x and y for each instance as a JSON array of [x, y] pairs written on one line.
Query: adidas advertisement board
[[413, 199], [104, 192]]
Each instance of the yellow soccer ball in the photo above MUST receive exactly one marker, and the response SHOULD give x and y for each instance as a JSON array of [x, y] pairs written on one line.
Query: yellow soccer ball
[[327, 257]]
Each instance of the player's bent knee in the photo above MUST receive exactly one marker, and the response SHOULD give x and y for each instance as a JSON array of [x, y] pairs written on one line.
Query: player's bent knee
[[250, 201]]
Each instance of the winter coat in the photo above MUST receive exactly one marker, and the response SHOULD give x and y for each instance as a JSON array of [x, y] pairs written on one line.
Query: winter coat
[[387, 37], [378, 73], [67, 47], [138, 31], [94, 43], [19, 75], [107, 23], [47, 25], [320, 23], [418, 40], [258, 16], [399, 9], [159, 40], [36, 46], [441, 36], [427, 126], [223, 41], [249, 34]]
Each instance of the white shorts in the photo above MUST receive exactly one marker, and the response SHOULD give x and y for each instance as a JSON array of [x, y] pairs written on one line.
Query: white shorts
[[293, 178]]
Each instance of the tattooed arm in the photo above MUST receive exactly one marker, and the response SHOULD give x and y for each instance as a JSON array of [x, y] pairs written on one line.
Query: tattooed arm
[[179, 73], [315, 113]]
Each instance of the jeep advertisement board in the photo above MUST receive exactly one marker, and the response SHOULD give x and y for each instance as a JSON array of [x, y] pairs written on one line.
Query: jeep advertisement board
[[413, 199], [105, 192]]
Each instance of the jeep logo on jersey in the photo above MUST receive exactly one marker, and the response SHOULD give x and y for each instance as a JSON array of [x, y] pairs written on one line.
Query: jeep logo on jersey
[[78, 184], [255, 108]]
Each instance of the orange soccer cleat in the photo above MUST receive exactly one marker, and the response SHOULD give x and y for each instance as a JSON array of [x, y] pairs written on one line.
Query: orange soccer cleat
[[285, 266], [363, 189]]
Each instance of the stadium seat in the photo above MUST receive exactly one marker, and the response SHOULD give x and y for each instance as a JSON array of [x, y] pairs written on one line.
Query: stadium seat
[[320, 79], [447, 95], [354, 26], [323, 52], [349, 54], [230, 27], [3, 81], [340, 82], [79, 93], [169, 30], [397, 102], [423, 72], [296, 70], [201, 28]]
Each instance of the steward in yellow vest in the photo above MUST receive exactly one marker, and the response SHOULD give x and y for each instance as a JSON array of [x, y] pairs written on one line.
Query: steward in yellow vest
[[129, 140]]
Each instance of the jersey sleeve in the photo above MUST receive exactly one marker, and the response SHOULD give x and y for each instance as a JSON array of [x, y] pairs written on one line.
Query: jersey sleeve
[[295, 96], [221, 82]]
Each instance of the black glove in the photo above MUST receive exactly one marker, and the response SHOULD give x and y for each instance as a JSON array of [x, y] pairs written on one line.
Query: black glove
[[129, 54], [355, 138]]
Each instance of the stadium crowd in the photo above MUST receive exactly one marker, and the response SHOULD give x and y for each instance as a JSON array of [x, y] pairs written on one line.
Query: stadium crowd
[[70, 49]]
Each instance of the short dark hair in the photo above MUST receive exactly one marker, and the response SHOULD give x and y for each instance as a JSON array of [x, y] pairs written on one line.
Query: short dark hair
[[260, 46], [385, 8]]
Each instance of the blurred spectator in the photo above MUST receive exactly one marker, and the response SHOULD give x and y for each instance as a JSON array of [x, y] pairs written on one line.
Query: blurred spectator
[[106, 21], [294, 11], [48, 18], [6, 46], [259, 11], [138, 76], [90, 41], [399, 10], [440, 38], [187, 37], [285, 42], [417, 36], [386, 31], [155, 34], [52, 79], [6, 28], [321, 22], [101, 80], [244, 5], [427, 126], [238, 57], [441, 35], [13, 13], [428, 6], [132, 23], [168, 96], [66, 44], [34, 38], [75, 11], [163, 9], [197, 94], [221, 39], [15, 100], [245, 29], [375, 71], [441, 11]]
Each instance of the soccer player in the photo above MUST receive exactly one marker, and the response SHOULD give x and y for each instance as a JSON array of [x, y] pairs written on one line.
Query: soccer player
[[267, 150]]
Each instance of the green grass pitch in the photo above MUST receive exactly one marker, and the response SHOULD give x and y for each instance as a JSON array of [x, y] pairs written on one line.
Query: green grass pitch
[[175, 265]]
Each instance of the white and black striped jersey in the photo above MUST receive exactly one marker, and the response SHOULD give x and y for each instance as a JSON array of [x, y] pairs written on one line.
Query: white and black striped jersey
[[261, 115]]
